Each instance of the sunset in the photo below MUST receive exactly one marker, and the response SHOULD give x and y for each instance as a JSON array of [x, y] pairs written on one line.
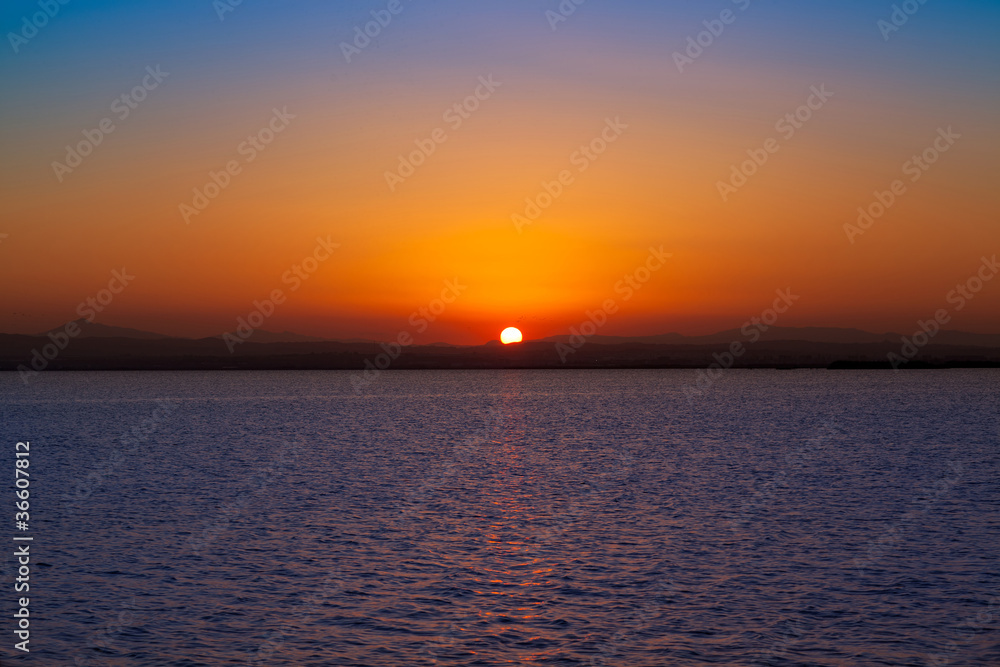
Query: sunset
[[538, 174], [510, 335], [501, 332]]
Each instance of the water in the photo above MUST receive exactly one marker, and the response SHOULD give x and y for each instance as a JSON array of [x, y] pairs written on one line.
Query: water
[[493, 518]]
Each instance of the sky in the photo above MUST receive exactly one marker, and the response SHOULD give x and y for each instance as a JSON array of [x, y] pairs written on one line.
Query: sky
[[633, 151]]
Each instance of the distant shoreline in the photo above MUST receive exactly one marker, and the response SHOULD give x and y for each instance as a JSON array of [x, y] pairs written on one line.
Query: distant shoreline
[[280, 369], [34, 354]]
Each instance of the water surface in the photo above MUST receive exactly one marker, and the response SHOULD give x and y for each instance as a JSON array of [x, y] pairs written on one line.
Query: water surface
[[511, 517]]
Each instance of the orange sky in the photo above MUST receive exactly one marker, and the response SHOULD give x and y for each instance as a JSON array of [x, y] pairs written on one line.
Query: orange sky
[[655, 185]]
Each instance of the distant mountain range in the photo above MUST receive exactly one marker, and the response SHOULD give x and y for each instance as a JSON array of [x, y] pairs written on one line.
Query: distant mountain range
[[102, 347], [807, 334], [773, 334]]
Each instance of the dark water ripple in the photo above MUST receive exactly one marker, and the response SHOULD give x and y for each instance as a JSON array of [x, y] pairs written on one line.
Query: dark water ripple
[[493, 518]]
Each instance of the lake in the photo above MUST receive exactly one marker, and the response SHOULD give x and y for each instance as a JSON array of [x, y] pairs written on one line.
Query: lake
[[509, 517]]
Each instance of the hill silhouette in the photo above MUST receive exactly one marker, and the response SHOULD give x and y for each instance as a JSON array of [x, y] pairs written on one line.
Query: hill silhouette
[[110, 348]]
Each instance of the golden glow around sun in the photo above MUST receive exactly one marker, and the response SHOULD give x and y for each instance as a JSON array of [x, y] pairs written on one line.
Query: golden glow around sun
[[510, 335]]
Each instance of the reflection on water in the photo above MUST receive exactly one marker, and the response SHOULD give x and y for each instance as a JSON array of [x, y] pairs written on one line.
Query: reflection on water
[[493, 518]]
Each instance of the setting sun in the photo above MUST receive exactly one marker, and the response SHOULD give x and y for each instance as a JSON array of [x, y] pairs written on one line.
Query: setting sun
[[510, 335]]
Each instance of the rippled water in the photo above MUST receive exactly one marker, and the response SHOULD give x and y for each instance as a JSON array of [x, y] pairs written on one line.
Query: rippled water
[[510, 517]]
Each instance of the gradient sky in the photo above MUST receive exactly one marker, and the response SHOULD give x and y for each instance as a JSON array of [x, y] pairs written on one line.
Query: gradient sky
[[656, 185]]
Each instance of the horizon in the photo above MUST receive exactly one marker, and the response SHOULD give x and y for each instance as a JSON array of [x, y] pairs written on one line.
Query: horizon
[[574, 331], [683, 163]]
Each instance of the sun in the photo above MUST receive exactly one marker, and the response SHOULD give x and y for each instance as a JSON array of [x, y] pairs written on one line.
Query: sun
[[510, 335]]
